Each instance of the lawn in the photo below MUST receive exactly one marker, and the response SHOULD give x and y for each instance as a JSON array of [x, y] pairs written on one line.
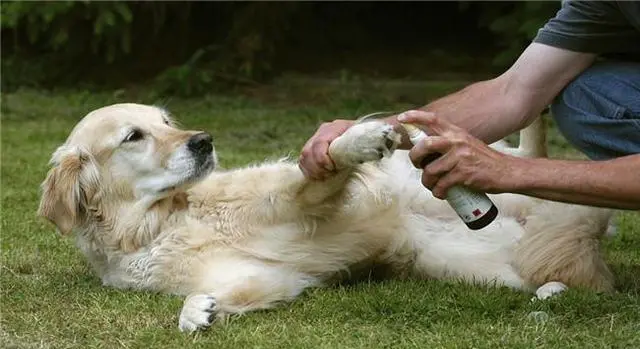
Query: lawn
[[50, 298]]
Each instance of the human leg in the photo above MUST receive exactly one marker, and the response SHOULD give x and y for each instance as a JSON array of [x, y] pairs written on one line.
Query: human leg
[[599, 111]]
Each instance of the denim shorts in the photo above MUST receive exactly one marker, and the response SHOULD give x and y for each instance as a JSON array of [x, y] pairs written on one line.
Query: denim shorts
[[599, 111]]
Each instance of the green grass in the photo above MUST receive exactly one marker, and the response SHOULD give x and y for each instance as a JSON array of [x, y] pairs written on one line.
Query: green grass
[[50, 298]]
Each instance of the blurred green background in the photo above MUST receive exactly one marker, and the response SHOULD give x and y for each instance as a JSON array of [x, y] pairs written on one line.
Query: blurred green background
[[191, 48]]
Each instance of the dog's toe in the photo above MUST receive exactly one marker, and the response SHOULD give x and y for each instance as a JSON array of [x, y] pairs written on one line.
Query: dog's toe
[[199, 312]]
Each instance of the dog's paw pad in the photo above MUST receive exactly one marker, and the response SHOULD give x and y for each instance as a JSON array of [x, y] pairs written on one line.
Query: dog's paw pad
[[390, 143], [550, 289], [391, 138], [199, 312], [367, 141]]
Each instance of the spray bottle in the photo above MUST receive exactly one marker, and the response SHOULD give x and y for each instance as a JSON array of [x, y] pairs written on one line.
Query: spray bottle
[[475, 209]]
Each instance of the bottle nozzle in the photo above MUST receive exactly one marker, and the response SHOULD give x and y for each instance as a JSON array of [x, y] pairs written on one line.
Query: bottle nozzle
[[412, 130], [415, 134]]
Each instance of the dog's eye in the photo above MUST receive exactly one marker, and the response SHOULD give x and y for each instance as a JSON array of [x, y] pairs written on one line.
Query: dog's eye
[[134, 136]]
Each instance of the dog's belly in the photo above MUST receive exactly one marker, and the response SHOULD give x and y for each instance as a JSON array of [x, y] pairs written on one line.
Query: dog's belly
[[443, 247], [448, 249], [387, 217]]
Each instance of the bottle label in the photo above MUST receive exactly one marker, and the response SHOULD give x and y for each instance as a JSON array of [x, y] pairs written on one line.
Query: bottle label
[[469, 205]]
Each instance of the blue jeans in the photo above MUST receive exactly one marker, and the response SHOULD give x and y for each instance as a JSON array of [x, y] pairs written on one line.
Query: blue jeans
[[599, 111]]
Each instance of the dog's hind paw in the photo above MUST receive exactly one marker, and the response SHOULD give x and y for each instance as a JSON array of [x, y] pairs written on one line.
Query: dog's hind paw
[[550, 289], [366, 141], [198, 312]]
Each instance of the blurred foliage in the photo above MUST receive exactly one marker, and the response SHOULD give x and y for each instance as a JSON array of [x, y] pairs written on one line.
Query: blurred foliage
[[188, 48], [51, 27], [243, 57], [515, 24]]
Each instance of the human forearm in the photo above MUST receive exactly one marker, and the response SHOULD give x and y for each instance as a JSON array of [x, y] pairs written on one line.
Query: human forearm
[[493, 109], [468, 161], [489, 110], [612, 183], [485, 109]]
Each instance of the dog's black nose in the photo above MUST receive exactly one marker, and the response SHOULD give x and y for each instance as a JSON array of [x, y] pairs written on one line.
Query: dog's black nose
[[200, 143]]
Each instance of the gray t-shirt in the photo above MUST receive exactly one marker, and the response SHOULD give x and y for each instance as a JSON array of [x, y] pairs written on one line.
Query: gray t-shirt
[[609, 28]]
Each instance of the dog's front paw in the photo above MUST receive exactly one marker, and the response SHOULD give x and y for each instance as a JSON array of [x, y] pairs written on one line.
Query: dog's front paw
[[198, 312], [367, 141]]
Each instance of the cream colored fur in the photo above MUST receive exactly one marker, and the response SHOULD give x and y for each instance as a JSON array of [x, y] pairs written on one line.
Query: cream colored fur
[[148, 216]]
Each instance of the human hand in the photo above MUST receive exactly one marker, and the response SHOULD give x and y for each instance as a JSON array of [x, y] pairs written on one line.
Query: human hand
[[314, 159], [465, 160]]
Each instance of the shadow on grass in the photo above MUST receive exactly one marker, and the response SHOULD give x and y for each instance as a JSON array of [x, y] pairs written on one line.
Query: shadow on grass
[[627, 277]]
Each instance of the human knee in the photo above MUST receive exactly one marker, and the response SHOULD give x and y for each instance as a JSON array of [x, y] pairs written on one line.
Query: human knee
[[571, 119], [599, 111]]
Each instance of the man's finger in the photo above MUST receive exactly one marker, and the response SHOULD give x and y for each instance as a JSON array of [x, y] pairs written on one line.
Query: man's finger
[[429, 181], [428, 150], [303, 169], [441, 166], [309, 167], [432, 173], [445, 182], [314, 161], [321, 156], [428, 122]]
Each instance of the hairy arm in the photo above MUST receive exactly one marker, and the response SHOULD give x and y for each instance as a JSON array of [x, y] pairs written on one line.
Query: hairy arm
[[489, 110], [493, 109], [612, 183], [468, 161]]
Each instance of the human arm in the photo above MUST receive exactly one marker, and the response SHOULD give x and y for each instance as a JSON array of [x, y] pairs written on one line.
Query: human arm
[[612, 183], [489, 110], [468, 161]]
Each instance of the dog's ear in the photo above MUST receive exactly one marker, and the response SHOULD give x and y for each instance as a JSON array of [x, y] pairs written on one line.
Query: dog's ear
[[69, 186]]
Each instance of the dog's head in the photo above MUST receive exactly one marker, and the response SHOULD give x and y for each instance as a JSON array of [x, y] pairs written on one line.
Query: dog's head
[[123, 153]]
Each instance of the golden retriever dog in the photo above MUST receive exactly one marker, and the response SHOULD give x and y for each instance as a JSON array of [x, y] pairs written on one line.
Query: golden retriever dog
[[150, 211]]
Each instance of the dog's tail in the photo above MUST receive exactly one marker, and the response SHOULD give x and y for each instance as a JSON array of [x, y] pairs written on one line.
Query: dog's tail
[[533, 141]]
